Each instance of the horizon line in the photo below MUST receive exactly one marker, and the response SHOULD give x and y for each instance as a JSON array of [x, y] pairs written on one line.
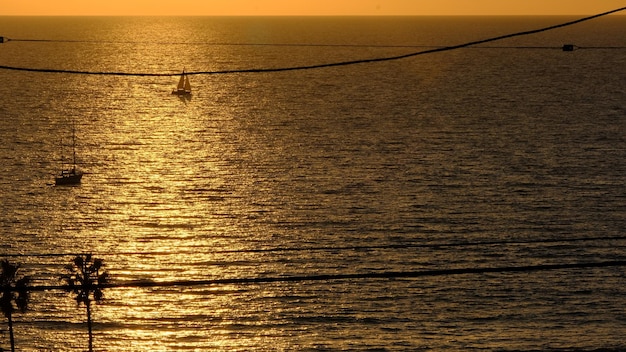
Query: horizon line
[[303, 15]]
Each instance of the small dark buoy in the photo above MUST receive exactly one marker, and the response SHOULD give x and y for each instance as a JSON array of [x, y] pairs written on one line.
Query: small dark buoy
[[569, 47]]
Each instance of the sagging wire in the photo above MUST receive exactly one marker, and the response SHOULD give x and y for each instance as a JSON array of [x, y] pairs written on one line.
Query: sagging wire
[[566, 47]]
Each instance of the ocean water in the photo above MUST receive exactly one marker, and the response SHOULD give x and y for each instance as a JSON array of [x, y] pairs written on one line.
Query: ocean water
[[511, 154]]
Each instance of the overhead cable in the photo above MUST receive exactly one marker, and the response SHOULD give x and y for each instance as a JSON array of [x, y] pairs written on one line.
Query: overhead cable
[[350, 276], [319, 66]]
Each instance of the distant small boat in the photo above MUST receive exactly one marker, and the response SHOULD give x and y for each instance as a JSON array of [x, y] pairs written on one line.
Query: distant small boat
[[184, 87], [70, 176]]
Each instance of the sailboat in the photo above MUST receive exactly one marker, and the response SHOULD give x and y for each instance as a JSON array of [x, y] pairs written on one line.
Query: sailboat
[[184, 87], [70, 176]]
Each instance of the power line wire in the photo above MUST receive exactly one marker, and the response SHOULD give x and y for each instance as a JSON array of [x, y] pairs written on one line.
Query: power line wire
[[342, 248], [327, 65], [353, 276]]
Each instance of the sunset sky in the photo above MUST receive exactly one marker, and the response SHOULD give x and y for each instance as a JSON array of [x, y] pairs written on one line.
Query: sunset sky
[[306, 7]]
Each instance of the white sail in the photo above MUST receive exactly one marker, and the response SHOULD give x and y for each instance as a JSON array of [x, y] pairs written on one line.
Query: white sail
[[183, 87], [181, 82], [187, 84]]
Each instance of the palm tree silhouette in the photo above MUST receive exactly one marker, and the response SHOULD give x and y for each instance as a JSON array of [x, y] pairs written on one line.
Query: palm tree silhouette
[[85, 280], [13, 290]]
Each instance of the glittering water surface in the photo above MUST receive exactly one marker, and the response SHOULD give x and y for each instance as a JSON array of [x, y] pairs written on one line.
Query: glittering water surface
[[345, 170]]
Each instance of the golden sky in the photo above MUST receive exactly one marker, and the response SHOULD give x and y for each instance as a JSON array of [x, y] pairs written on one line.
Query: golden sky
[[307, 7]]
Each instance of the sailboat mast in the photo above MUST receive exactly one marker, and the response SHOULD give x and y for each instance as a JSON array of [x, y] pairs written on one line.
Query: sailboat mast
[[74, 143], [62, 158]]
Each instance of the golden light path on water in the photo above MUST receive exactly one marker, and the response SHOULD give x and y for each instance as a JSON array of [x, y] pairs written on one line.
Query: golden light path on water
[[141, 189], [159, 171]]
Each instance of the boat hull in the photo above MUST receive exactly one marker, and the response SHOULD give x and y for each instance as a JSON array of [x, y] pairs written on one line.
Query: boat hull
[[181, 92], [68, 177]]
